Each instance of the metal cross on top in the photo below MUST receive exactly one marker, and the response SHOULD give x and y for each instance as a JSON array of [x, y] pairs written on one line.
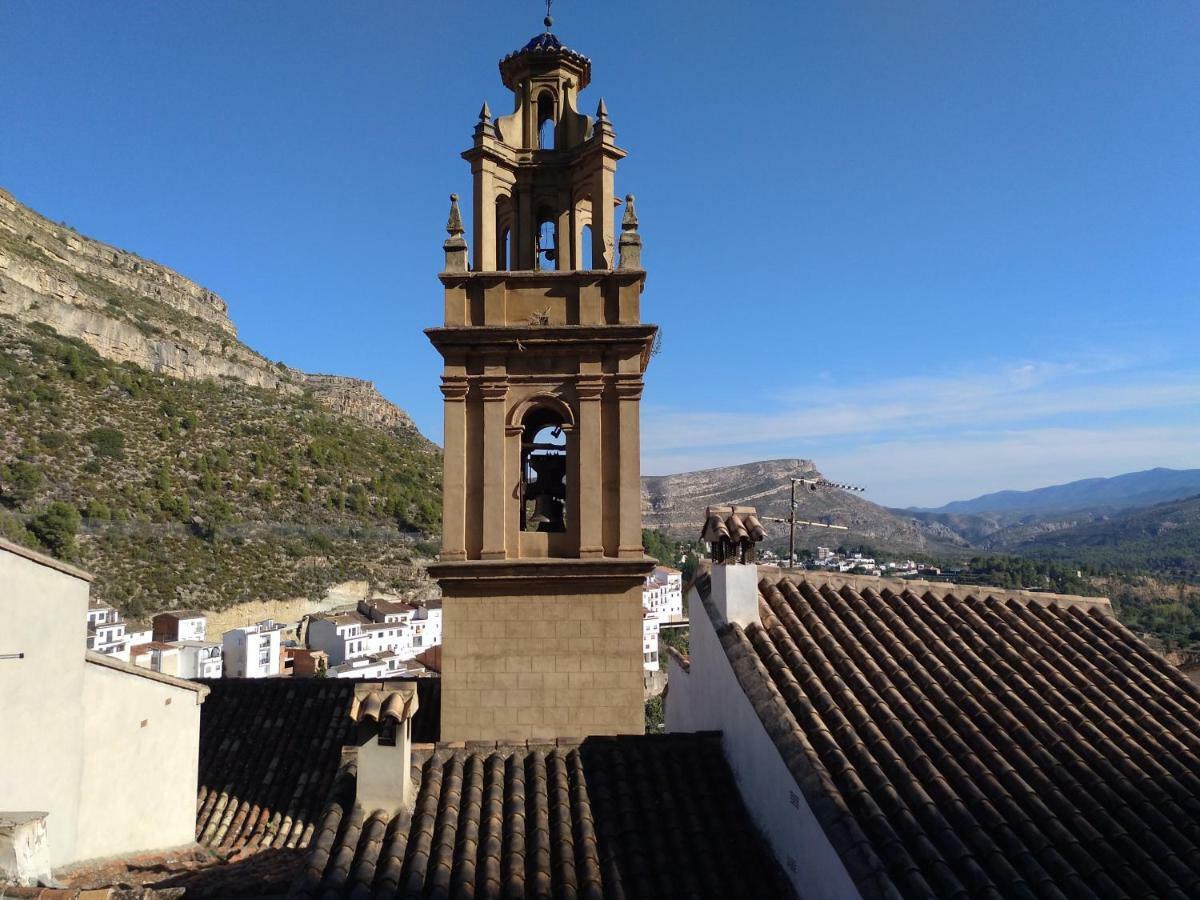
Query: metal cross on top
[[548, 21]]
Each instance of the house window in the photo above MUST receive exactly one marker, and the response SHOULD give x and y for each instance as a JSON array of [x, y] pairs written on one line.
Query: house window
[[264, 656]]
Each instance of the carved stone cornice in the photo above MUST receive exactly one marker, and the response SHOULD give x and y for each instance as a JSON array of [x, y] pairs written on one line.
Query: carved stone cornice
[[629, 387], [541, 576], [493, 388], [589, 387], [454, 388]]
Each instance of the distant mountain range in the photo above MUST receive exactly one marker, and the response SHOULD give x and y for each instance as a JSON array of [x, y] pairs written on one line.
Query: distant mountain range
[[676, 504], [1141, 520], [1007, 520], [1129, 491]]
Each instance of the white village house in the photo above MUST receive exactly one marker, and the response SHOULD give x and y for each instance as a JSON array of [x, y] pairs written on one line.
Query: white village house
[[253, 651], [375, 627]]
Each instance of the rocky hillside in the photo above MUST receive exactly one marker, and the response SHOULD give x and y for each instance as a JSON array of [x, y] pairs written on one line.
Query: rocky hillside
[[675, 503], [140, 439], [1163, 539], [130, 309]]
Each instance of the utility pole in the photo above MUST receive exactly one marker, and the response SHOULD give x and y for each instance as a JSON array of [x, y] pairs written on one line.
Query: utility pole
[[813, 484]]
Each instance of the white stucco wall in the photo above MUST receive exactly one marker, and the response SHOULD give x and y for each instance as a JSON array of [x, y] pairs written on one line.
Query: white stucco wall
[[709, 698], [72, 742], [43, 614], [140, 763]]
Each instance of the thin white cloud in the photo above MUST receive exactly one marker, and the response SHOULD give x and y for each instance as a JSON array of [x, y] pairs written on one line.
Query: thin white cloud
[[905, 405], [925, 440]]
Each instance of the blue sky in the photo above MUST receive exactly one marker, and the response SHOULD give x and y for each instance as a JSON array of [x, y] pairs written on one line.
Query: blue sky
[[940, 248]]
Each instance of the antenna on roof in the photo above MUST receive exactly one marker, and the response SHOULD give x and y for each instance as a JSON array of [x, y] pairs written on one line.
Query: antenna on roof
[[812, 484]]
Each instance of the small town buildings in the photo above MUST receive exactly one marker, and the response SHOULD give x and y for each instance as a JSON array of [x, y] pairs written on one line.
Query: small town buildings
[[181, 625], [81, 729], [650, 628], [376, 626], [157, 656], [253, 651], [139, 632], [662, 596], [199, 659], [106, 631], [301, 662], [377, 665]]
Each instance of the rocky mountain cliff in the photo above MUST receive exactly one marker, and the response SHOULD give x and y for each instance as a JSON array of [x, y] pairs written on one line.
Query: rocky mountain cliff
[[140, 439], [130, 309], [676, 503]]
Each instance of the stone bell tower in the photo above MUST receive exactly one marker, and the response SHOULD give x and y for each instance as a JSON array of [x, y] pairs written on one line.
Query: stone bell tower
[[542, 563]]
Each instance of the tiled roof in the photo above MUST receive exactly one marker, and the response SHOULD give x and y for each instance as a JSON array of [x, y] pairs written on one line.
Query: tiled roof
[[655, 815], [270, 749], [957, 743]]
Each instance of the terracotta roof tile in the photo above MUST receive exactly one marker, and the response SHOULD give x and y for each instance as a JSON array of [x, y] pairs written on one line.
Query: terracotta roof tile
[[647, 816], [270, 751], [966, 744]]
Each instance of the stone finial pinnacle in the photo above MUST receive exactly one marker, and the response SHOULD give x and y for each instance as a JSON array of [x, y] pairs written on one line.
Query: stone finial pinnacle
[[454, 224], [484, 127], [602, 111], [630, 244], [455, 245], [629, 221]]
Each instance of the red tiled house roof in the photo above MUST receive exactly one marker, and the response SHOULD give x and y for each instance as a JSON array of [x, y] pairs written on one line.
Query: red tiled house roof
[[957, 743], [639, 816], [270, 749]]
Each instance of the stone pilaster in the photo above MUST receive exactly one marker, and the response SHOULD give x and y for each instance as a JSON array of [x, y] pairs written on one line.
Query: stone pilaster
[[629, 396], [590, 513], [494, 392], [454, 468]]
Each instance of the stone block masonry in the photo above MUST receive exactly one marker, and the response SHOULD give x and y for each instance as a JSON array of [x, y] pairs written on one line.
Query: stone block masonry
[[520, 667]]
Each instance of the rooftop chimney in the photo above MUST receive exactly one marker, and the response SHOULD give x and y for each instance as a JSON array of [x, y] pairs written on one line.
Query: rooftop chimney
[[733, 533], [384, 713]]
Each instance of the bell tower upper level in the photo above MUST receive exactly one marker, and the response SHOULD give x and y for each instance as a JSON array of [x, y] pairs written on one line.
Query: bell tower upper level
[[543, 175]]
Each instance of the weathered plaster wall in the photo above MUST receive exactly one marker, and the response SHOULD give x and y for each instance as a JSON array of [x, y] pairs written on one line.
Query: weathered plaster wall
[[43, 614], [140, 763], [708, 697]]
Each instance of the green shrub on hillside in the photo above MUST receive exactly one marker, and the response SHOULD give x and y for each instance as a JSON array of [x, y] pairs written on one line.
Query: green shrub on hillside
[[107, 442], [201, 493], [56, 528]]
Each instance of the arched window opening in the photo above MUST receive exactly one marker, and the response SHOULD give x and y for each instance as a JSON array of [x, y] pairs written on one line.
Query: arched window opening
[[547, 240], [585, 247], [503, 232], [545, 114], [543, 472]]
